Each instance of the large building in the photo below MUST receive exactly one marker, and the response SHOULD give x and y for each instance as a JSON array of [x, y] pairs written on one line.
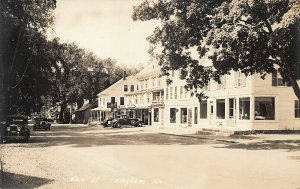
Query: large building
[[111, 101], [146, 103], [238, 103]]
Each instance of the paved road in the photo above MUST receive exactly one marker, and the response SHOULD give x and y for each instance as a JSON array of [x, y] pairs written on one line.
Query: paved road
[[75, 156]]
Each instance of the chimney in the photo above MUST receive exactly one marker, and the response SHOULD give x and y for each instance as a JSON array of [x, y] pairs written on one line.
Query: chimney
[[124, 75]]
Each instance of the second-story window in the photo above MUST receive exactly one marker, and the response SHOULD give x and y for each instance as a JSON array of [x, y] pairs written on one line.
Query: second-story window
[[153, 81], [240, 80], [181, 92], [146, 84], [171, 93], [112, 99], [167, 93], [175, 93], [121, 100], [148, 97], [125, 88], [156, 96], [277, 79], [222, 84], [131, 88]]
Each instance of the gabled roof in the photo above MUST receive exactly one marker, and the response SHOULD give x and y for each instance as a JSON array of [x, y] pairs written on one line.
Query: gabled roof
[[87, 106], [150, 69], [116, 84]]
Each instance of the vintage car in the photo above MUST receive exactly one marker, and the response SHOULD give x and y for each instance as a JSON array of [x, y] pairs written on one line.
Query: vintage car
[[41, 123], [107, 122], [15, 127], [123, 120]]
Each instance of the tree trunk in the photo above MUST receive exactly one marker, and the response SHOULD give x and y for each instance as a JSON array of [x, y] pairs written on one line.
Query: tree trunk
[[295, 86], [63, 106]]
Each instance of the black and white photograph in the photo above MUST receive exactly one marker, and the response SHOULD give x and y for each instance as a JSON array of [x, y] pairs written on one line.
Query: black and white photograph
[[151, 94]]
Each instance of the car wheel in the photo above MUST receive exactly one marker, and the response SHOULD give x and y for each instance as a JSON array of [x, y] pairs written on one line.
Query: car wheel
[[118, 125], [26, 139], [140, 124], [133, 122]]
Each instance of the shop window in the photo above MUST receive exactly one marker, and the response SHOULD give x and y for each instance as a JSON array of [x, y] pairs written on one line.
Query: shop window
[[297, 109], [183, 115], [231, 107], [264, 108], [131, 88], [221, 108], [172, 115], [244, 108], [203, 109], [156, 114], [121, 100], [195, 115], [125, 88]]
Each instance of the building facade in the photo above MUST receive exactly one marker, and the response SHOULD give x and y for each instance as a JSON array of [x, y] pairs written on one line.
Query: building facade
[[238, 103], [111, 101], [146, 103]]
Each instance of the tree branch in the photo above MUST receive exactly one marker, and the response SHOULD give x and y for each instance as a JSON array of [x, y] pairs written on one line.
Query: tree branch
[[23, 75]]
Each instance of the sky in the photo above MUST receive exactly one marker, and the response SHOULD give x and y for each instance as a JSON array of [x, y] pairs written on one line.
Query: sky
[[106, 28]]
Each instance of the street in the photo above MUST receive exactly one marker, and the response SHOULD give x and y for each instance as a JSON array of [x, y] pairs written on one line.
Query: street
[[77, 156]]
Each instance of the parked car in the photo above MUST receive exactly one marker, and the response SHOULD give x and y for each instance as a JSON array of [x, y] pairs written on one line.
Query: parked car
[[107, 122], [123, 120], [41, 123], [15, 127]]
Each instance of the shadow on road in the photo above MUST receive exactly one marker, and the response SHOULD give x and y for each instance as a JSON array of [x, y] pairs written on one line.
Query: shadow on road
[[99, 136], [289, 145], [12, 180]]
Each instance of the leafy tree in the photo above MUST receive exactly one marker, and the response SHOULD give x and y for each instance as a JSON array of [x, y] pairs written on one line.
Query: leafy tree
[[254, 36], [22, 24]]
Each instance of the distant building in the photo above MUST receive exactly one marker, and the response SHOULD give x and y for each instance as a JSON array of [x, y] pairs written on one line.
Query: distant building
[[147, 101], [82, 115], [111, 101]]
